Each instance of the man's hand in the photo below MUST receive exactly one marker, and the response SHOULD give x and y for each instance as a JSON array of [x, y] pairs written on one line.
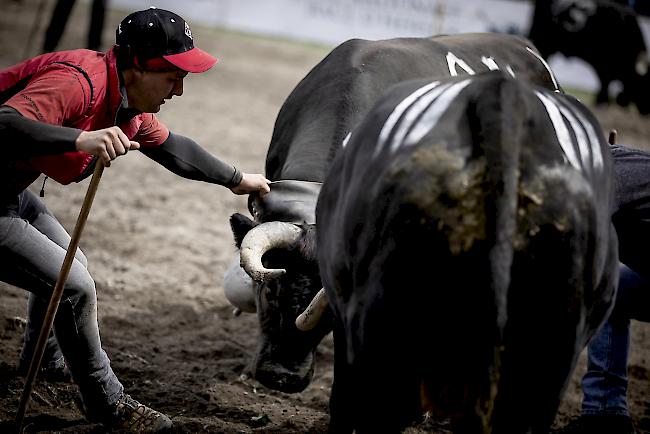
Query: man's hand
[[107, 144], [251, 183]]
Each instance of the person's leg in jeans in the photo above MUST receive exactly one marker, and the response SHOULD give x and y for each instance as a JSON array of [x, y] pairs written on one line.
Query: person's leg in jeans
[[32, 260], [604, 385], [605, 382], [43, 220], [52, 364]]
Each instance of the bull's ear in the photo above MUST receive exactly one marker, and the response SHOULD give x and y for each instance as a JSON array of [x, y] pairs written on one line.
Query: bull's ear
[[240, 225]]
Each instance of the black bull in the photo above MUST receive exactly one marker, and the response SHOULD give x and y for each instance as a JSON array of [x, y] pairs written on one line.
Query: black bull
[[466, 248], [605, 35], [309, 131]]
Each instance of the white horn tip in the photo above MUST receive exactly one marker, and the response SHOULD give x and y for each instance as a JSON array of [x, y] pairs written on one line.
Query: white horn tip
[[312, 314], [302, 324]]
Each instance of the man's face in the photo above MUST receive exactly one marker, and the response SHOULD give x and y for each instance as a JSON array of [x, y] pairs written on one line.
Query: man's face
[[148, 90]]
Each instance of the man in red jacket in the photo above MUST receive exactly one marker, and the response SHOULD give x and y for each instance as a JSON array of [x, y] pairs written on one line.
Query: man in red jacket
[[60, 114]]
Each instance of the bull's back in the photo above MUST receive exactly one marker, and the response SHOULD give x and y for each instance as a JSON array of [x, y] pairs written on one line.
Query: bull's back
[[329, 102]]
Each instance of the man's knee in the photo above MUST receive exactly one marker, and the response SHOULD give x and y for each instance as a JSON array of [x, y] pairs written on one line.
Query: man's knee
[[80, 285]]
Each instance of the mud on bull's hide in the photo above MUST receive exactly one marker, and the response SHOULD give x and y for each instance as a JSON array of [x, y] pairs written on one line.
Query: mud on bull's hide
[[464, 223]]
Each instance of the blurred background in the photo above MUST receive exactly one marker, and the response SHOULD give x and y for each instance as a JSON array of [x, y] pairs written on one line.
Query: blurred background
[[159, 245], [322, 22]]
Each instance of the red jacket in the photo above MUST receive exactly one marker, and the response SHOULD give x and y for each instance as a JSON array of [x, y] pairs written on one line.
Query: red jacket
[[78, 89]]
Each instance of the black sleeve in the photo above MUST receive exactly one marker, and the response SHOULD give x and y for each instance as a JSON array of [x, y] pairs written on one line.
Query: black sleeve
[[23, 138], [186, 158]]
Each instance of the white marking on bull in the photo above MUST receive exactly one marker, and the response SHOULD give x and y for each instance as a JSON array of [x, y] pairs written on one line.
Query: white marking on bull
[[490, 63], [397, 114], [430, 118], [413, 113], [561, 130], [453, 60], [594, 142], [584, 147], [346, 140], [548, 68]]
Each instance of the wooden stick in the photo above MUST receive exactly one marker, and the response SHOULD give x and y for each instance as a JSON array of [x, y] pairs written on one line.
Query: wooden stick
[[57, 294]]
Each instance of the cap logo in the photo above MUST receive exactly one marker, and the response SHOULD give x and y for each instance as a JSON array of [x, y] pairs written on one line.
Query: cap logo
[[119, 29], [188, 32]]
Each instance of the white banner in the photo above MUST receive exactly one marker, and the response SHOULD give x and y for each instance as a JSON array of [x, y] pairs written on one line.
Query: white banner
[[334, 21]]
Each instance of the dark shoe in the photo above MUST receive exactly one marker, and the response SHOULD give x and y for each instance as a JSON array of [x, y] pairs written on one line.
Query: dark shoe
[[599, 424], [133, 417]]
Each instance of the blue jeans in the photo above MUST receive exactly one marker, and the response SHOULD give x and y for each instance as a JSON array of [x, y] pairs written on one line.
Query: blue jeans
[[604, 385], [32, 249]]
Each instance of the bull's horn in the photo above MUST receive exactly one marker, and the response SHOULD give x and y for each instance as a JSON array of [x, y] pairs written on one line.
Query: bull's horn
[[312, 315], [259, 240]]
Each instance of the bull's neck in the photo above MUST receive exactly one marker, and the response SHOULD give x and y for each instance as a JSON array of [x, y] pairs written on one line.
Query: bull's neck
[[289, 200]]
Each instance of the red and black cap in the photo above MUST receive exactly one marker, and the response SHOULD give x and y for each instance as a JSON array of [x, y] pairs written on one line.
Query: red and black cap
[[157, 33]]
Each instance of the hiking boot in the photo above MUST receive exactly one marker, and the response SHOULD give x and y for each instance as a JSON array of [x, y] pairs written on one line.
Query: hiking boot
[[133, 417], [599, 424]]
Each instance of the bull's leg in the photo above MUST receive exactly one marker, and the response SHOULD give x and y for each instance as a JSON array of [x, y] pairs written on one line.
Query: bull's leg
[[623, 98], [545, 332], [602, 97], [387, 359], [341, 402]]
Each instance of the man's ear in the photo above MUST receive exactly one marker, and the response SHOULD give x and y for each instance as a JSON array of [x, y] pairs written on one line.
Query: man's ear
[[131, 75]]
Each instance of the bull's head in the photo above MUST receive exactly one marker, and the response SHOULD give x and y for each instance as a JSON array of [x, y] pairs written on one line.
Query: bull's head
[[280, 259]]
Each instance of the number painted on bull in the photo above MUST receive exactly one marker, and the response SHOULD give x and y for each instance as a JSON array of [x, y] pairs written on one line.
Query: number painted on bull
[[454, 61]]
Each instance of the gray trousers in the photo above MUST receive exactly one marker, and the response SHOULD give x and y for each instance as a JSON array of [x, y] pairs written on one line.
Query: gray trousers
[[32, 249]]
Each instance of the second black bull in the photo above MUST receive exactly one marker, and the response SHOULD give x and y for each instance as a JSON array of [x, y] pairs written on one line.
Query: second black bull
[[277, 246], [467, 251]]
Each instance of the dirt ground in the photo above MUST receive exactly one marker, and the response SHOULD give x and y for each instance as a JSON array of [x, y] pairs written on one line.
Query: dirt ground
[[158, 246]]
